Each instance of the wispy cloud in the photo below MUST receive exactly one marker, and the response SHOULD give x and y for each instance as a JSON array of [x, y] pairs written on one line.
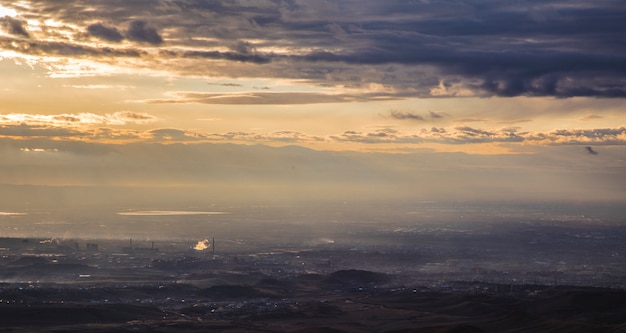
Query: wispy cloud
[[167, 213], [431, 115], [405, 115], [468, 135], [12, 214], [591, 117], [261, 98], [88, 127], [99, 86], [117, 118]]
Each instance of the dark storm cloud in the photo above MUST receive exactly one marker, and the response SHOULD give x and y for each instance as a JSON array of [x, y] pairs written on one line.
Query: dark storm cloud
[[139, 31], [510, 73], [486, 48], [104, 32], [501, 49], [14, 26]]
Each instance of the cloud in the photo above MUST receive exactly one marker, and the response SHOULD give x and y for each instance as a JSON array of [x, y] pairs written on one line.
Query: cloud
[[272, 137], [25, 131], [14, 26], [289, 136], [12, 214], [471, 53], [590, 150], [266, 98], [591, 117], [509, 121], [492, 73], [170, 134], [404, 115], [38, 150], [168, 213], [106, 33], [394, 114], [64, 119], [228, 84], [243, 47], [128, 117], [217, 55], [385, 135], [99, 86], [416, 48], [470, 135], [110, 128], [437, 115], [139, 31], [604, 135], [64, 49], [465, 134]]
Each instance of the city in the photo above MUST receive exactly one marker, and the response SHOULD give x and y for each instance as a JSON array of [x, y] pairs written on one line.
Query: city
[[277, 284]]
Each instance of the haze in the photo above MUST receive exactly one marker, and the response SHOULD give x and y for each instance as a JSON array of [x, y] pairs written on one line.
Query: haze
[[203, 106]]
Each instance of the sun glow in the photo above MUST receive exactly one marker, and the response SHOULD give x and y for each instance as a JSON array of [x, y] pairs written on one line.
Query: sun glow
[[4, 11]]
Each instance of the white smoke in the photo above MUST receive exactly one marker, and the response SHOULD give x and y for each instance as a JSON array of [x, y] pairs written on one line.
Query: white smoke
[[202, 245]]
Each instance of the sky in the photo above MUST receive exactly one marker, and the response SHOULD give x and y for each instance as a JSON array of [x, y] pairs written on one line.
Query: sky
[[146, 102]]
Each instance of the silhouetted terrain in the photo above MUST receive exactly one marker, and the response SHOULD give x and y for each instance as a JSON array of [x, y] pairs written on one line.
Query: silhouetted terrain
[[344, 301], [509, 273]]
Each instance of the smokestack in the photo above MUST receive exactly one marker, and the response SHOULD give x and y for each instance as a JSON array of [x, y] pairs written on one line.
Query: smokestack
[[131, 244]]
